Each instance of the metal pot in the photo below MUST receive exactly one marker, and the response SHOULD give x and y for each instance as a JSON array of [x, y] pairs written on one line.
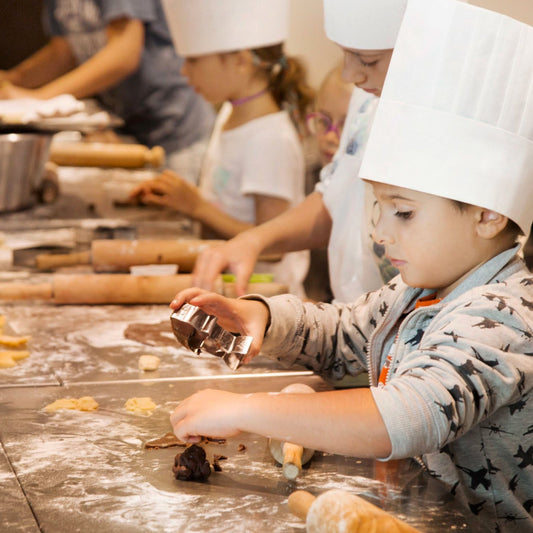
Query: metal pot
[[22, 160]]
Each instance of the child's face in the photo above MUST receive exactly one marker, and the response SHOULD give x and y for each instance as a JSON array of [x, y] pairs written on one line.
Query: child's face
[[366, 68], [427, 238], [331, 108], [211, 76]]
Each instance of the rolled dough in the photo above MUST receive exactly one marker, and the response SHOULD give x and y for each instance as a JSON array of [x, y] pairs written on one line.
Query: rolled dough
[[85, 403]]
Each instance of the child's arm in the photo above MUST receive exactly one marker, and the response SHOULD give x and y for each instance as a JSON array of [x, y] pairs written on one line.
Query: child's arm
[[115, 61], [345, 422], [170, 190], [304, 226]]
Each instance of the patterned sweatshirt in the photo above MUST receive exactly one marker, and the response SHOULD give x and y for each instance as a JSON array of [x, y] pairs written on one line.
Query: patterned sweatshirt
[[458, 392]]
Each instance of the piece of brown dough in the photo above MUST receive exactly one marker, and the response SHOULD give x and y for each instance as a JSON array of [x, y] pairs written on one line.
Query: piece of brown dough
[[241, 448], [216, 462], [192, 465], [159, 334], [166, 441]]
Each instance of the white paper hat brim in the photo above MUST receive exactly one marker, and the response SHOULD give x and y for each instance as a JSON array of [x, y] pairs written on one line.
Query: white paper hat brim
[[200, 27], [416, 148], [363, 24]]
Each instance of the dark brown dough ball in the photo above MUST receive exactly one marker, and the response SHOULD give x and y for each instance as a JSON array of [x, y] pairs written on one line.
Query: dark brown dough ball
[[192, 465]]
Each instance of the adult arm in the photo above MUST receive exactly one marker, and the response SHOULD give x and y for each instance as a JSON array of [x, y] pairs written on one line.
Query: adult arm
[[50, 62], [118, 59]]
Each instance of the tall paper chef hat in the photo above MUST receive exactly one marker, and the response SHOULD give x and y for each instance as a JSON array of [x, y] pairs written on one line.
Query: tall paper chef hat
[[455, 118], [201, 27], [363, 24]]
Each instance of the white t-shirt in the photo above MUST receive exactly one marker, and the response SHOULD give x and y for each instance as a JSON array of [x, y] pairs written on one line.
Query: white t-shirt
[[263, 156], [356, 263]]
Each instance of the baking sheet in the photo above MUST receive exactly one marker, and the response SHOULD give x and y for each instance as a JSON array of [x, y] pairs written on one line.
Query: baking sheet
[[89, 471], [86, 343]]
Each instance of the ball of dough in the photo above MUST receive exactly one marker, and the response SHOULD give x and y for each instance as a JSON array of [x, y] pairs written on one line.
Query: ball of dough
[[149, 362], [143, 406]]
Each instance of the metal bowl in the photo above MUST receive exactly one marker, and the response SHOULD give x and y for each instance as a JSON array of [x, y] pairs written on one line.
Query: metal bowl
[[22, 160]]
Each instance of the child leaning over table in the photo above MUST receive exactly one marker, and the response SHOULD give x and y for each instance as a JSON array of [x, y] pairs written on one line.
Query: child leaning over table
[[449, 343]]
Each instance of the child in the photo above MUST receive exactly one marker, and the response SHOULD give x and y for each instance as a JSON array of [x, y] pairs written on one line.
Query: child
[[448, 344], [339, 211], [121, 52], [326, 123], [254, 166]]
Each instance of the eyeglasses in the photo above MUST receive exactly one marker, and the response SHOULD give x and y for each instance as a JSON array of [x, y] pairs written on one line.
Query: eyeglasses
[[320, 124]]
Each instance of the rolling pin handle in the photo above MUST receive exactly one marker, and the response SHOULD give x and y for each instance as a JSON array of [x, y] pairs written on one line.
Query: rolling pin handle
[[292, 460], [155, 157], [300, 502]]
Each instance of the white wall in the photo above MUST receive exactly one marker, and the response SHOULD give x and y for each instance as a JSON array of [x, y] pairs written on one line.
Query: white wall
[[518, 9], [308, 40]]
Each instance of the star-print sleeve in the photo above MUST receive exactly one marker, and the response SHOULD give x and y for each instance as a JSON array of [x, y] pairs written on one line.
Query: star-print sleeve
[[468, 362], [329, 339]]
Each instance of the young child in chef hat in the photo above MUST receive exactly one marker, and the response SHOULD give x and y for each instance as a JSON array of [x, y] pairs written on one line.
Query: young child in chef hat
[[448, 343], [254, 168], [339, 211]]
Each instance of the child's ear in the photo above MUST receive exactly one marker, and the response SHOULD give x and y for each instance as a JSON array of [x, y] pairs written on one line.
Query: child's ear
[[490, 223]]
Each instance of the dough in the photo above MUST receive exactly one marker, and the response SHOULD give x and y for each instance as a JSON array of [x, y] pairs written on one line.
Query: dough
[[166, 441], [149, 362], [12, 341], [86, 403], [142, 406], [159, 334], [9, 358], [192, 465]]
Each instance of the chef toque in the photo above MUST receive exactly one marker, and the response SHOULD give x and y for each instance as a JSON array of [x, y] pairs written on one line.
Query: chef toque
[[201, 27], [363, 24], [455, 118]]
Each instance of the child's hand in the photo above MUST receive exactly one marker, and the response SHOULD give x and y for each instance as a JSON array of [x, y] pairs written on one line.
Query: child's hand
[[209, 413], [170, 190], [247, 317]]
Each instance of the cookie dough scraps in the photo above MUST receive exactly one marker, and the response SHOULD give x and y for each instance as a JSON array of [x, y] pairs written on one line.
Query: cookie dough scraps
[[13, 342], [85, 403], [166, 441], [142, 406], [9, 358]]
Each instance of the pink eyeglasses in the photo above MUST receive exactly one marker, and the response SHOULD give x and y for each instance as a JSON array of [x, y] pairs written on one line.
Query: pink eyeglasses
[[320, 124]]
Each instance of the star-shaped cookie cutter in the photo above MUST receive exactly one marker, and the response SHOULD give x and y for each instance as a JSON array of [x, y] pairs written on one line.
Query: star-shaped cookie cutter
[[199, 331]]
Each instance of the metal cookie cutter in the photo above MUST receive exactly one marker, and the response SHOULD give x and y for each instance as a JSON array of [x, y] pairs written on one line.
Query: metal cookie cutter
[[199, 331]]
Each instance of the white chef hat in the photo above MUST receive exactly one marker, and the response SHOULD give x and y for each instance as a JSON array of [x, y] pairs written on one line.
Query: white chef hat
[[363, 24], [201, 27], [455, 118]]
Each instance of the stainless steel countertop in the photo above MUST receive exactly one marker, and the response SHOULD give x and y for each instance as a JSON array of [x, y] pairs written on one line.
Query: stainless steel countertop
[[89, 471], [76, 343], [15, 513], [72, 471]]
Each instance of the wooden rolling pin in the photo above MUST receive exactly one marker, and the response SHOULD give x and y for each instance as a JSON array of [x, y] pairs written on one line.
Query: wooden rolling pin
[[337, 511], [117, 289], [88, 154], [291, 456], [115, 255]]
